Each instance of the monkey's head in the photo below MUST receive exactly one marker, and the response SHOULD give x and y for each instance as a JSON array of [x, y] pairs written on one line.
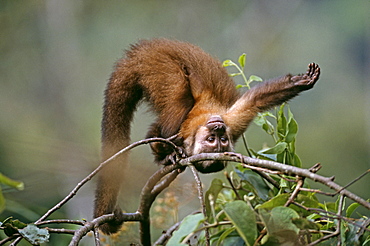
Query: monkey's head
[[211, 137]]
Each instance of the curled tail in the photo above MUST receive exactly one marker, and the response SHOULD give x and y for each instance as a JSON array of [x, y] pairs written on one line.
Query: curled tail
[[121, 98]]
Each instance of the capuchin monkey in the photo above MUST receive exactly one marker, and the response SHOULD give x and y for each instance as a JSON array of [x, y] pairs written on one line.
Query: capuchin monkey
[[193, 96]]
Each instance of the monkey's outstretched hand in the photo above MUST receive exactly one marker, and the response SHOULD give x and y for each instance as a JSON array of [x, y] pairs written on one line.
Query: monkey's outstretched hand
[[308, 79]]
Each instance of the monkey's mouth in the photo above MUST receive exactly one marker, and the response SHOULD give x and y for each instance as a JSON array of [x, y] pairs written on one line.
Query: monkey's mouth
[[210, 166], [215, 119]]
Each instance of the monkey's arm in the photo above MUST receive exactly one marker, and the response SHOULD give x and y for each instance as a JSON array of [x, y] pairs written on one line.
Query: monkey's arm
[[277, 91], [267, 95], [164, 154]]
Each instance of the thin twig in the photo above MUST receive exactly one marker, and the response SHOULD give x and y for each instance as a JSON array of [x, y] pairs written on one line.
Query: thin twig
[[96, 236], [158, 188], [337, 231], [261, 173], [201, 200], [61, 231], [8, 239], [319, 191], [294, 194], [246, 145], [339, 224], [92, 225], [61, 221], [330, 215], [167, 234], [232, 186], [93, 173], [204, 228], [16, 241], [354, 181], [148, 194]]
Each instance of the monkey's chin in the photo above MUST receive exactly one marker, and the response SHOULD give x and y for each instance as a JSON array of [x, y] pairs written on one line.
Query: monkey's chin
[[210, 166]]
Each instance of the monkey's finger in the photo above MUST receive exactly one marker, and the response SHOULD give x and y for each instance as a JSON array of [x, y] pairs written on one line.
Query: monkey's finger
[[311, 69]]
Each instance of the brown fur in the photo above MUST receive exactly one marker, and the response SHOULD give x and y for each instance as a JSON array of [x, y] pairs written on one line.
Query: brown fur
[[185, 87]]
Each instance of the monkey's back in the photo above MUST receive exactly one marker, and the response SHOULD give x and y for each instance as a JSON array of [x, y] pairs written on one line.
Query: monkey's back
[[162, 64]]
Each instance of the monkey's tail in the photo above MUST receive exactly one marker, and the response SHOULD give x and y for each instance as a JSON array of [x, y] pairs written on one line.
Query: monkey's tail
[[121, 98]]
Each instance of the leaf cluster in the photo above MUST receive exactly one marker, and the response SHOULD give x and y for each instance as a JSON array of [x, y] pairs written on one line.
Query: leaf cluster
[[248, 210]]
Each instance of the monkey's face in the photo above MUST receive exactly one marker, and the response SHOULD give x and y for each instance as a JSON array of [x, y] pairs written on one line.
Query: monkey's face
[[213, 137]]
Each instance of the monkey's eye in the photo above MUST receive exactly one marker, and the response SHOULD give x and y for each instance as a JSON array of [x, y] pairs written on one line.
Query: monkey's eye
[[211, 139], [223, 139]]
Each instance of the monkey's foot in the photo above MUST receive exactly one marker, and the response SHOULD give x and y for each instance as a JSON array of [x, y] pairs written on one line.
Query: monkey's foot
[[309, 78], [114, 225]]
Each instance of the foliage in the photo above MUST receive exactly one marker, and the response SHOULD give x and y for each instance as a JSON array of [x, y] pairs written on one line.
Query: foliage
[[248, 210], [10, 183]]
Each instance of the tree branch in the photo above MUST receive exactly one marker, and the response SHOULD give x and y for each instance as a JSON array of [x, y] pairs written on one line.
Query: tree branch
[[164, 177], [103, 164], [286, 169]]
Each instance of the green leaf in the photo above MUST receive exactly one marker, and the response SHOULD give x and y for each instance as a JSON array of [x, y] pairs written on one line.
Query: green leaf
[[255, 78], [329, 206], [269, 114], [9, 229], [290, 114], [297, 161], [348, 234], [351, 208], [261, 119], [188, 225], [253, 178], [243, 218], [281, 123], [214, 190], [276, 201], [292, 130], [281, 158], [11, 226], [268, 127], [224, 235], [283, 185], [234, 74], [10, 182], [306, 201], [281, 199], [242, 59], [280, 219], [366, 241], [228, 63], [305, 224], [337, 203], [292, 146], [269, 157], [277, 149], [280, 226], [35, 235]]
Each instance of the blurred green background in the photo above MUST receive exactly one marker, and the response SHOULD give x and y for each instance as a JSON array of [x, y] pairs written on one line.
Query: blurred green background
[[56, 57]]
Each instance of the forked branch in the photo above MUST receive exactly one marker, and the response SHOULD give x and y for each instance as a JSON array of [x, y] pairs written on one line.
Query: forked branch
[[163, 178]]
